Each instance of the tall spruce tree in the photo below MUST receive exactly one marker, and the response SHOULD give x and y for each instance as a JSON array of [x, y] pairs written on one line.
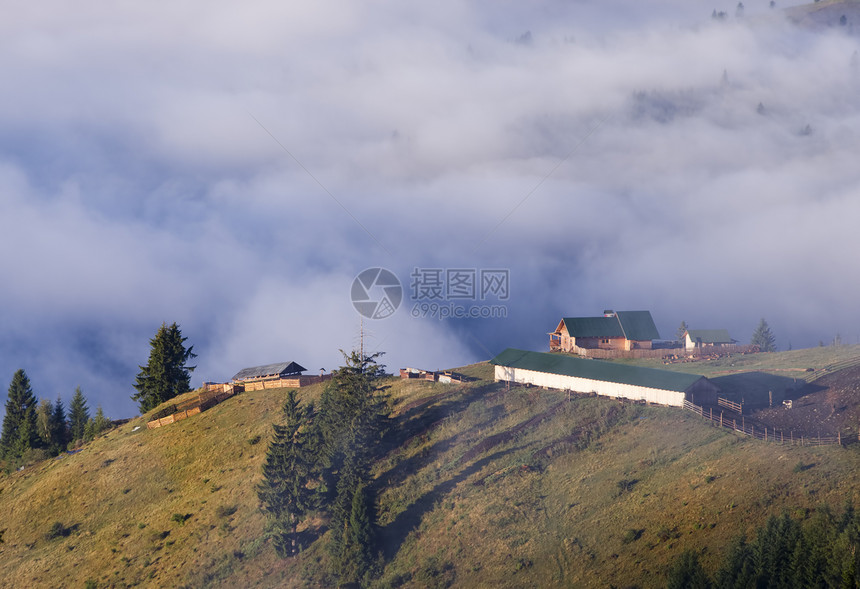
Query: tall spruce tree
[[287, 471], [353, 417], [79, 415], [166, 375], [682, 331], [356, 555], [19, 425], [59, 427], [763, 337]]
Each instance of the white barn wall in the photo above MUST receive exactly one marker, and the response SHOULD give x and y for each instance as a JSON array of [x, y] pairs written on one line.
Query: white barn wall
[[584, 385]]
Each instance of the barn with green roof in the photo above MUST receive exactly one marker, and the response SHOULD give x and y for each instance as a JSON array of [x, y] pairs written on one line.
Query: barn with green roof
[[610, 379]]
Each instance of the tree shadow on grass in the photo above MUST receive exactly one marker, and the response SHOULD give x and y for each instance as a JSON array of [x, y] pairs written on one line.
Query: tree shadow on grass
[[416, 422], [419, 418], [310, 535], [394, 534]]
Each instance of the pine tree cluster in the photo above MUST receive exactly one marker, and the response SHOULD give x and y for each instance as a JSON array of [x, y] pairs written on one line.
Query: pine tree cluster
[[786, 553], [44, 426], [320, 460]]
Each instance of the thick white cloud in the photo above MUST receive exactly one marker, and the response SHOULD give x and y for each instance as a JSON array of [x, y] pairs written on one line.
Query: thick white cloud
[[196, 162]]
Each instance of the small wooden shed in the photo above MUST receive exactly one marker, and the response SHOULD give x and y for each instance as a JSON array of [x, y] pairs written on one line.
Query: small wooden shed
[[707, 338]]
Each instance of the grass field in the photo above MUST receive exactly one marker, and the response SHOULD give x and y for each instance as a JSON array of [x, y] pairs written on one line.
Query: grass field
[[751, 376], [479, 486]]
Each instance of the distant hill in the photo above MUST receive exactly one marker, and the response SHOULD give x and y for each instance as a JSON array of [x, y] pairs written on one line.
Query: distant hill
[[480, 485], [828, 14]]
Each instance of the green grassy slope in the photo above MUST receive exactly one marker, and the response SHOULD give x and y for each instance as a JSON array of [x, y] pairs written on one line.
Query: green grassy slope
[[753, 375], [479, 486]]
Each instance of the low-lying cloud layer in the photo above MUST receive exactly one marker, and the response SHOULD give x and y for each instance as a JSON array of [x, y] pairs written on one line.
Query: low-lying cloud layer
[[234, 171]]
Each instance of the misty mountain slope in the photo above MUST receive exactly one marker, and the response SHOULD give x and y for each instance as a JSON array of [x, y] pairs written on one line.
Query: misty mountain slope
[[828, 14], [479, 485]]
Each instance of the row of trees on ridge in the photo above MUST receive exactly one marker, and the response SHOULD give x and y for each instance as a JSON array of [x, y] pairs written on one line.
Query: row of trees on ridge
[[46, 428], [29, 425]]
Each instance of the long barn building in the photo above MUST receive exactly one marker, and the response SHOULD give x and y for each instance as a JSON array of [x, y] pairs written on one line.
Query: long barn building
[[609, 379]]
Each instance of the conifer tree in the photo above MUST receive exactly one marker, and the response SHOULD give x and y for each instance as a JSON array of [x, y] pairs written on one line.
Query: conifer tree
[[356, 555], [682, 331], [95, 426], [352, 413], [79, 415], [353, 418], [19, 424], [166, 374], [763, 337], [59, 427], [687, 573], [287, 470]]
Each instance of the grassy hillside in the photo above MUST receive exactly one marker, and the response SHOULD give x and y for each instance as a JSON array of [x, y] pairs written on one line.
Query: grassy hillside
[[753, 375], [480, 485]]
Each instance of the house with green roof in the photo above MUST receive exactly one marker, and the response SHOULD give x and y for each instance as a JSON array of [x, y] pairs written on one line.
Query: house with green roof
[[610, 379], [621, 330], [707, 338]]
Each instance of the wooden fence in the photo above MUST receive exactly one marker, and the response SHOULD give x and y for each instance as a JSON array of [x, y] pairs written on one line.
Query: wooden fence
[[677, 354], [193, 406], [813, 375], [294, 382], [763, 433], [731, 405]]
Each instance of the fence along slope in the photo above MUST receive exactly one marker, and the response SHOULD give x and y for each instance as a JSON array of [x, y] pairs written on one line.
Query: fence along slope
[[766, 434]]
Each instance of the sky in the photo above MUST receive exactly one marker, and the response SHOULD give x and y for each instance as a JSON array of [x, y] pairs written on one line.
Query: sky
[[233, 169]]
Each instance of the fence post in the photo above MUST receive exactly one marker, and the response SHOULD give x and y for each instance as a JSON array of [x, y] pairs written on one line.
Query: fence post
[[721, 419]]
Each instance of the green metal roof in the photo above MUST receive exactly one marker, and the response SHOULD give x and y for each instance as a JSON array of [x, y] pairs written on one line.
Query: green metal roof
[[596, 370], [632, 325], [638, 325], [593, 327], [710, 336]]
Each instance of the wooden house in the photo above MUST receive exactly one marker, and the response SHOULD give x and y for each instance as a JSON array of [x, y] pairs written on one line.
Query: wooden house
[[707, 338], [622, 330], [277, 371], [610, 379]]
